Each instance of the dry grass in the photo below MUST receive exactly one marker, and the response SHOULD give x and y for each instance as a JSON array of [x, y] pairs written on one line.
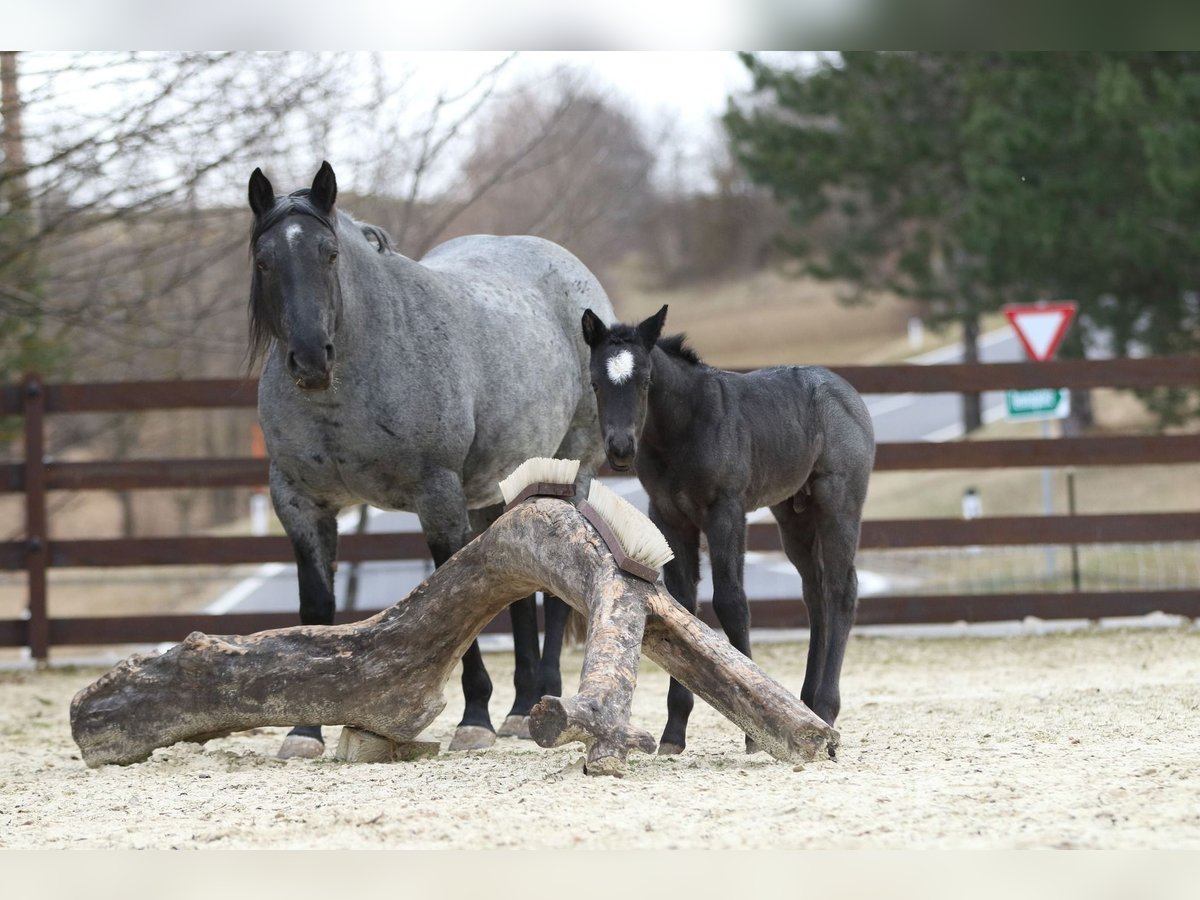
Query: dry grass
[[1015, 492], [769, 318]]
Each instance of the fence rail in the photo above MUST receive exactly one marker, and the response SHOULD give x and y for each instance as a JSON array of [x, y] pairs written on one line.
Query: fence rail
[[36, 476]]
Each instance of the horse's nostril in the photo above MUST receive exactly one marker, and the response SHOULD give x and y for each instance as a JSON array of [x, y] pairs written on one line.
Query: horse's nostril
[[329, 353], [291, 361]]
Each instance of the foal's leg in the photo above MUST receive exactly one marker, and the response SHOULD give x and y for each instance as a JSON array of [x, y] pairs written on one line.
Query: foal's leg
[[726, 530], [442, 509], [838, 513], [312, 527], [821, 542], [797, 530], [680, 576]]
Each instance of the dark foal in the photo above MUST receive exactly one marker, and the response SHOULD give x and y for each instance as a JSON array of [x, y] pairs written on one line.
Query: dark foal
[[709, 446]]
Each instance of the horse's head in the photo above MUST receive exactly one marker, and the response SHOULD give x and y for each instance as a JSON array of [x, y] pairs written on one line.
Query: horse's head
[[295, 295], [621, 371]]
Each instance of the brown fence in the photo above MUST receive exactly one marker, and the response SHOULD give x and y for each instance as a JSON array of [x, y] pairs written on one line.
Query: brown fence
[[35, 477]]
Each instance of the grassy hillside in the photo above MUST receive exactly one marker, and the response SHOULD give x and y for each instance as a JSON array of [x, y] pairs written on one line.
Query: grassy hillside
[[768, 318]]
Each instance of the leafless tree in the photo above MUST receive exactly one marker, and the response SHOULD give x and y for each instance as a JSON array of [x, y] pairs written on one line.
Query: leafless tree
[[560, 159]]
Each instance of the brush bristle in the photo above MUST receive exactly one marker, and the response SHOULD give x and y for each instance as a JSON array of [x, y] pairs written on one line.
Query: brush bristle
[[539, 468], [639, 537]]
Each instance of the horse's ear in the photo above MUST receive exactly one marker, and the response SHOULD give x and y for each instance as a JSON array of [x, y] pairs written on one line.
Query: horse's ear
[[650, 329], [262, 195], [324, 188], [594, 330]]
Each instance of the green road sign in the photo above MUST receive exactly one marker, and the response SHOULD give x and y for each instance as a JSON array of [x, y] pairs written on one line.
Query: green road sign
[[1038, 403]]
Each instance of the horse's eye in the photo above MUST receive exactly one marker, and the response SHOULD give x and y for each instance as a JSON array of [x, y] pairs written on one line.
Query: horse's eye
[[261, 265], [333, 255]]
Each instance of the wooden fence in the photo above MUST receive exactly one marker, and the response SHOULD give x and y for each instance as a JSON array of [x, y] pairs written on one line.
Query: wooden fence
[[35, 477]]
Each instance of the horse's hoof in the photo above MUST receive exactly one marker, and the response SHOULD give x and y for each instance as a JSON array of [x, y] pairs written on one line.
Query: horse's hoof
[[668, 749], [297, 746], [515, 726], [472, 737]]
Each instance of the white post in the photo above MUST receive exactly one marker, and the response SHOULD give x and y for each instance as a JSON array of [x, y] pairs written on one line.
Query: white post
[[260, 510], [916, 333]]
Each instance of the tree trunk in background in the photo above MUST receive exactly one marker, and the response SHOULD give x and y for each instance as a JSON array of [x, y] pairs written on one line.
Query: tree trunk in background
[[972, 405], [12, 175]]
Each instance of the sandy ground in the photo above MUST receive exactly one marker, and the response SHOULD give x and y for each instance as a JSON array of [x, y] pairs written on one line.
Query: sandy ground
[[1090, 739]]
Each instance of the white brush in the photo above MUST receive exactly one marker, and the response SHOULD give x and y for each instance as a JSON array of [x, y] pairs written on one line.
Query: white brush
[[638, 547], [541, 477]]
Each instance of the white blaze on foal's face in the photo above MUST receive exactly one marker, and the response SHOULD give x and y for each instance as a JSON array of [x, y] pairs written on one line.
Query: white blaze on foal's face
[[620, 367]]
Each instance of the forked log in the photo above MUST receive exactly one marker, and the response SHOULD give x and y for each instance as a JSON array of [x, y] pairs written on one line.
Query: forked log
[[385, 675]]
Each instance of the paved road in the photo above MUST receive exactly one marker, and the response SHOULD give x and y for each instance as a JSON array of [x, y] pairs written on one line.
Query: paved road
[[897, 417]]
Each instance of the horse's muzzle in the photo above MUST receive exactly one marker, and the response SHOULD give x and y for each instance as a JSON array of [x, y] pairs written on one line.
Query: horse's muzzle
[[317, 382], [311, 372]]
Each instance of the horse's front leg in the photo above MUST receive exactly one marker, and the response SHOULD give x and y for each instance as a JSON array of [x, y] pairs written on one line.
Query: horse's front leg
[[312, 527], [726, 530], [442, 509]]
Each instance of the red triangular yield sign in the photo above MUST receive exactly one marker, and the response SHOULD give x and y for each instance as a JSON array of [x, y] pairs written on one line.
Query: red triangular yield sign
[[1041, 327]]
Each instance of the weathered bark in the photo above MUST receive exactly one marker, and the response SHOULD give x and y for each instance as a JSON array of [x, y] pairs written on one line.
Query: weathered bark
[[386, 674]]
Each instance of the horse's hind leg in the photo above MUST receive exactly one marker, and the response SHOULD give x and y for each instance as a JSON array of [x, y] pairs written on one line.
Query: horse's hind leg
[[680, 576], [526, 674], [523, 615], [312, 528], [557, 613], [442, 509]]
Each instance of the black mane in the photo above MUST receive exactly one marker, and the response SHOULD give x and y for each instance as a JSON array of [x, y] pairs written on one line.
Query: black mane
[[677, 345]]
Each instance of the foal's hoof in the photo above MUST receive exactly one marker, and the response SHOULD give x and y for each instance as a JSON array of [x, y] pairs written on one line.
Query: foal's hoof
[[297, 746], [472, 737], [515, 726], [668, 749]]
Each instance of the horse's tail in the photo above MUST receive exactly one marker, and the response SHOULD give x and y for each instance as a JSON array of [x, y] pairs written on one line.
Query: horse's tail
[[575, 630]]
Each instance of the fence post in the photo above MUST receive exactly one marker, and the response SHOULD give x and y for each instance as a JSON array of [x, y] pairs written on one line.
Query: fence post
[[36, 531]]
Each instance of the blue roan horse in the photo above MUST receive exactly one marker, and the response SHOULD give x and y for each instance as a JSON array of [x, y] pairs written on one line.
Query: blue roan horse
[[414, 386], [709, 446]]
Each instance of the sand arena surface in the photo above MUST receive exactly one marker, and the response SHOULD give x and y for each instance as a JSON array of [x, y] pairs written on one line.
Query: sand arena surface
[[1089, 739]]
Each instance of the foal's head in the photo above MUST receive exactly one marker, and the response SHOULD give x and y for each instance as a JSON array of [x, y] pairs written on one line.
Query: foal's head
[[622, 370], [295, 296]]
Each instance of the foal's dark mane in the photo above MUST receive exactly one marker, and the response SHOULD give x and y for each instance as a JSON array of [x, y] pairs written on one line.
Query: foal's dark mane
[[673, 345], [676, 345]]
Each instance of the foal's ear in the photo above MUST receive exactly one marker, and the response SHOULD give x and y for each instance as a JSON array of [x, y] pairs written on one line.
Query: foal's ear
[[262, 195], [324, 189], [594, 331], [650, 329]]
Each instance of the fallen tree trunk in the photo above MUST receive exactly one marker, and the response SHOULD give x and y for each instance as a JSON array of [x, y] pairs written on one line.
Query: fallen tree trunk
[[386, 674]]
